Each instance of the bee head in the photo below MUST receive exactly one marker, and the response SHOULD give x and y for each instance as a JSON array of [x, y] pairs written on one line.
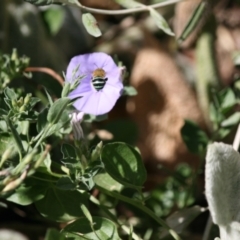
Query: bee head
[[99, 72]]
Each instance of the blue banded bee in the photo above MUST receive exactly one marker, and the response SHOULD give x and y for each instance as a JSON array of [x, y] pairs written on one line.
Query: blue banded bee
[[98, 79]]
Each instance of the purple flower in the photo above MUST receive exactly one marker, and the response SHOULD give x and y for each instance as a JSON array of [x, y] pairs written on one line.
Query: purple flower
[[101, 85]]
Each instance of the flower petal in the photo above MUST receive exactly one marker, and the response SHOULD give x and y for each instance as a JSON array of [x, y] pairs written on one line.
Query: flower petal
[[89, 62], [82, 70], [82, 89], [98, 103], [109, 86]]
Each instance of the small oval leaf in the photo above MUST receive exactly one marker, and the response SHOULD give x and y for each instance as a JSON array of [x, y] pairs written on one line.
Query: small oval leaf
[[129, 91], [105, 181], [232, 120], [91, 25], [54, 18], [10, 94], [181, 219], [160, 21], [124, 164], [86, 213], [30, 191], [61, 206]]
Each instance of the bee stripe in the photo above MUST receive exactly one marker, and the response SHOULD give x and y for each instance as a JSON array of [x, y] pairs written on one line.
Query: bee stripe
[[99, 83]]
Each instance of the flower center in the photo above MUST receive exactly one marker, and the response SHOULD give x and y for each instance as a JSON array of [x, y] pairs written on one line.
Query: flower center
[[99, 79]]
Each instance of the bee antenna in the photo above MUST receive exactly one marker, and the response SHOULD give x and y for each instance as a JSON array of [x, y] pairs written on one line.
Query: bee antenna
[[104, 63]]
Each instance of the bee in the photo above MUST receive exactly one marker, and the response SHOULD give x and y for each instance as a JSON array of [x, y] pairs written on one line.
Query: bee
[[99, 79]]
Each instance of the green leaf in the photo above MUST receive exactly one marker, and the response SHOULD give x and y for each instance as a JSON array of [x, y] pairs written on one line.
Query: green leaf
[[66, 89], [81, 229], [223, 132], [124, 164], [54, 234], [70, 157], [10, 104], [3, 112], [181, 219], [236, 58], [96, 151], [86, 180], [91, 25], [194, 20], [10, 94], [54, 129], [47, 163], [56, 110], [31, 190], [229, 99], [54, 18], [33, 101], [69, 153], [12, 66], [160, 21], [232, 120], [236, 85], [87, 213], [50, 101], [3, 205], [195, 138], [65, 183], [7, 143], [129, 91], [42, 119], [3, 126], [61, 206], [15, 134], [215, 116], [105, 181]]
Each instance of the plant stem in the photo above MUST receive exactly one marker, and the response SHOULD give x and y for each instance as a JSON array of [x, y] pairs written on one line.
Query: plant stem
[[123, 11], [236, 141], [48, 71], [207, 71], [207, 228], [45, 131]]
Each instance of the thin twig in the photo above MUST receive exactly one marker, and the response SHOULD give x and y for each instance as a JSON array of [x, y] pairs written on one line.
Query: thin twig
[[123, 11], [207, 229], [236, 141], [48, 71]]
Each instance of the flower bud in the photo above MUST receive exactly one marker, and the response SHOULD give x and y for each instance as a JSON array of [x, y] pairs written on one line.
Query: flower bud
[[27, 98], [76, 119]]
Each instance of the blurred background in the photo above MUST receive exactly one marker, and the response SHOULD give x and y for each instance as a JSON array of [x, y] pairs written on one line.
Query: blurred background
[[167, 74]]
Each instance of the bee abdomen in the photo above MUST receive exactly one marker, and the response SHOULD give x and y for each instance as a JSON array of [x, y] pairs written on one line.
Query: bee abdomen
[[99, 83]]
